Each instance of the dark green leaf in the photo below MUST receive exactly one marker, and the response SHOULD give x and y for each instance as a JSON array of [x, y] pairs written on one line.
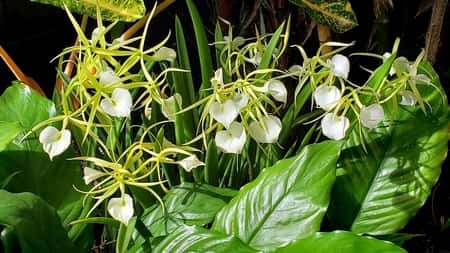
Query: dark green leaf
[[124, 10], [196, 239], [337, 14], [35, 223], [378, 191], [286, 202], [186, 204], [340, 242]]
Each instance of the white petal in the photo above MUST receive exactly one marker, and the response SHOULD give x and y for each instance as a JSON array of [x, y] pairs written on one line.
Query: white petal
[[340, 65], [327, 97], [119, 105], [54, 142], [371, 115], [218, 77], [96, 32], [256, 58], [266, 131], [334, 127], [90, 175], [165, 54], [231, 140], [121, 209], [168, 106], [240, 100], [224, 113], [108, 77], [190, 162], [401, 65], [277, 89], [408, 98]]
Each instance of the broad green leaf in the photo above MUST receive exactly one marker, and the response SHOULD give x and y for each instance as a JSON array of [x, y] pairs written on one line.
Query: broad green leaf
[[196, 239], [379, 191], [35, 223], [339, 242], [286, 202], [9, 131], [51, 180], [123, 10], [337, 14], [186, 204]]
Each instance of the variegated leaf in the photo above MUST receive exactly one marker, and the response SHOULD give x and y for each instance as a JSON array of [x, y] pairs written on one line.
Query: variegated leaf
[[123, 10], [337, 14]]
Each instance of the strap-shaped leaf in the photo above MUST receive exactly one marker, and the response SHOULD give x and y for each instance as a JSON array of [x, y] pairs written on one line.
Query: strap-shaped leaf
[[378, 191], [338, 242], [197, 239], [337, 14], [286, 202], [123, 10]]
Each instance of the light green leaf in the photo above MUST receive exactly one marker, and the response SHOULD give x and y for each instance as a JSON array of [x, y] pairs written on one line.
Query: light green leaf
[[337, 14], [186, 204], [123, 10], [9, 131], [35, 223], [286, 202], [378, 192], [196, 239], [339, 242]]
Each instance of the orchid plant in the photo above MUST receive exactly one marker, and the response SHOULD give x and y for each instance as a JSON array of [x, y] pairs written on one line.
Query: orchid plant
[[149, 140]]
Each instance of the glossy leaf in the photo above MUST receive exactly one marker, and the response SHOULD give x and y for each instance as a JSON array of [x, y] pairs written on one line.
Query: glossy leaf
[[9, 131], [286, 202], [186, 204], [35, 223], [337, 14], [196, 239], [123, 10], [52, 181], [378, 191], [340, 241]]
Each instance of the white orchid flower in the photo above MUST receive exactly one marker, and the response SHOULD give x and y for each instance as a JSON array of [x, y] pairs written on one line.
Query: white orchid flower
[[96, 32], [168, 106], [334, 127], [240, 100], [165, 54], [218, 77], [276, 89], [121, 208], [90, 175], [340, 65], [108, 77], [327, 97], [231, 140], [190, 162], [266, 131], [371, 115], [237, 41], [408, 98], [54, 142], [224, 113], [256, 58], [119, 105], [402, 65]]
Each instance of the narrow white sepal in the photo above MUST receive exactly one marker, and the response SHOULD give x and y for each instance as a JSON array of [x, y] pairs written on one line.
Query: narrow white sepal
[[408, 98], [371, 115], [327, 97], [165, 54], [340, 65], [224, 113], [277, 90], [266, 131], [90, 175], [54, 142], [190, 162], [232, 140], [168, 106], [120, 103], [121, 208], [334, 127]]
